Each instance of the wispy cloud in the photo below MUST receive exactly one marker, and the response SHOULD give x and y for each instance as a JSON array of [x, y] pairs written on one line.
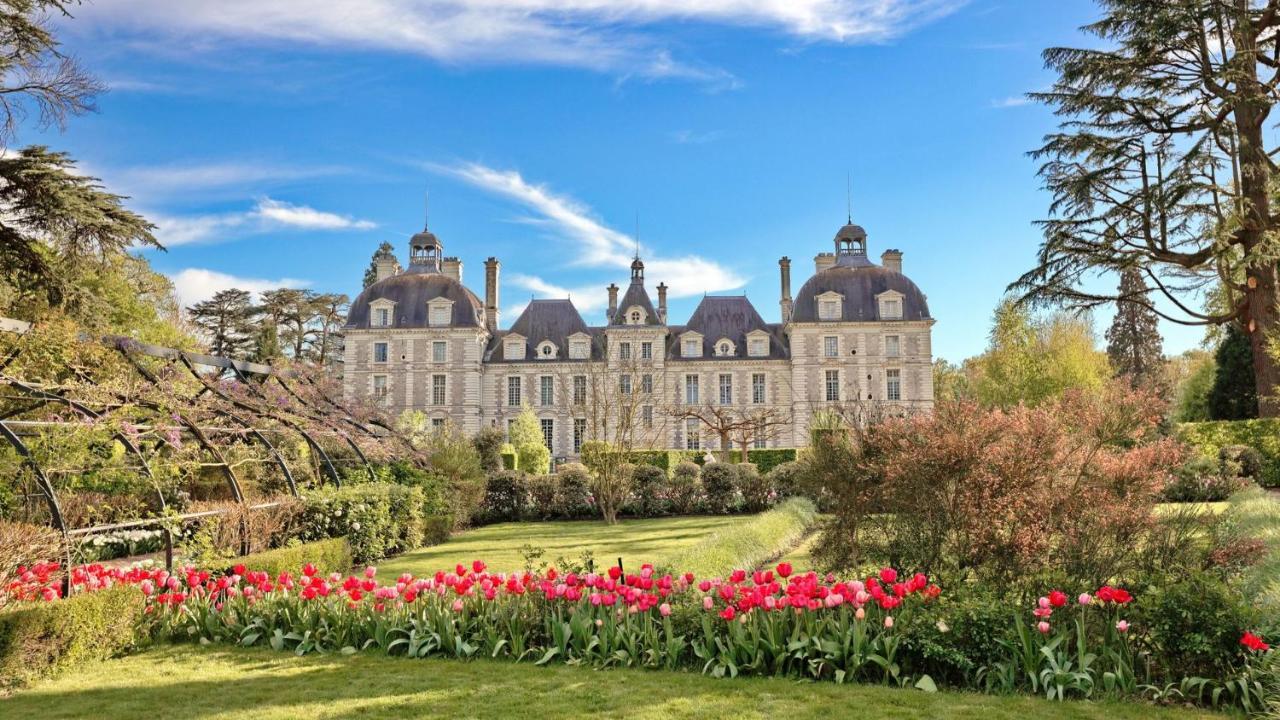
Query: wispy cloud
[[596, 245], [1012, 101], [690, 137], [265, 216], [150, 182], [195, 284], [616, 36]]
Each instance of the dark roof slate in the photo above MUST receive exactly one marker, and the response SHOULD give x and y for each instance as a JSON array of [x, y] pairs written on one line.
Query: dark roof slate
[[411, 291], [543, 320], [732, 317], [636, 295], [859, 281]]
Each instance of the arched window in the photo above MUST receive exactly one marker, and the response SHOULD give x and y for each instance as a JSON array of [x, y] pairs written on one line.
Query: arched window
[[635, 317]]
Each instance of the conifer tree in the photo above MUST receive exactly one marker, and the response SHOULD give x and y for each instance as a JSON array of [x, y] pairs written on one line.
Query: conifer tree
[[226, 321], [384, 250], [1134, 345], [1233, 396]]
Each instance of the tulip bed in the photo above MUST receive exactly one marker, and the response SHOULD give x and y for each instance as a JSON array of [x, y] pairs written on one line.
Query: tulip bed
[[765, 623]]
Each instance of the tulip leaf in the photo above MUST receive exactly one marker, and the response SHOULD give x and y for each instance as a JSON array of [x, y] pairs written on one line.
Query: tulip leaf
[[926, 684]]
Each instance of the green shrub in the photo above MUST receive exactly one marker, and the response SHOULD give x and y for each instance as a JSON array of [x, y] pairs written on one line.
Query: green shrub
[[573, 492], [1240, 461], [329, 556], [1263, 435], [1201, 479], [720, 483], [686, 488], [378, 519], [506, 497], [1194, 621], [436, 529], [510, 461], [38, 640], [757, 492], [747, 543], [488, 443], [648, 491], [541, 495], [766, 459], [785, 479], [965, 638]]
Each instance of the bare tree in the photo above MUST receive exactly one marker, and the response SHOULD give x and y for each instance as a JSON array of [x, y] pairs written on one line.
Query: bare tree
[[36, 73]]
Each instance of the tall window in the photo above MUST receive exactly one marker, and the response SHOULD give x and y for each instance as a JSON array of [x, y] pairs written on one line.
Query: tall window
[[578, 350], [691, 389], [726, 389], [829, 310], [891, 309], [646, 384], [759, 347], [579, 434], [579, 389], [380, 352], [891, 345], [624, 384], [646, 351], [439, 351], [548, 432], [382, 317], [380, 386], [757, 388], [437, 389], [546, 390], [692, 440], [624, 351], [893, 384], [692, 348], [833, 386], [513, 391], [760, 442], [646, 415], [830, 346]]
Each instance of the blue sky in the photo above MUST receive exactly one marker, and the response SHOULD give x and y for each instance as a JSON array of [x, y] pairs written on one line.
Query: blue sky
[[280, 141]]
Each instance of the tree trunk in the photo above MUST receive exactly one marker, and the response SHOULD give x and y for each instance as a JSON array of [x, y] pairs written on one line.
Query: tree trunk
[[1252, 106]]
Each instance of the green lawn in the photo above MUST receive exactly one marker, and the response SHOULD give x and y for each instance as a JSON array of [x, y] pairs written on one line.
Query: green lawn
[[217, 683], [635, 541]]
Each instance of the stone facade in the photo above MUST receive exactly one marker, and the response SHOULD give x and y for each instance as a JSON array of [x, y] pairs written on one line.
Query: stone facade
[[856, 334]]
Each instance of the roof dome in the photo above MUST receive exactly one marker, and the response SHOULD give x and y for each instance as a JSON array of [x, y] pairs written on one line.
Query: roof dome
[[851, 232], [411, 291], [860, 282]]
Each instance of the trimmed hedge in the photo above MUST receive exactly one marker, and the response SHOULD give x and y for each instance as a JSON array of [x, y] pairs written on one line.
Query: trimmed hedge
[[329, 556], [1262, 435], [377, 519], [38, 640], [766, 459], [748, 543], [665, 460]]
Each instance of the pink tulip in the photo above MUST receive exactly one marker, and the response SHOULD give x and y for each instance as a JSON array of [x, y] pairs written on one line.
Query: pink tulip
[[664, 610], [888, 621], [457, 605], [707, 602], [1085, 598], [1043, 627], [370, 572], [1044, 602], [860, 614], [1123, 626]]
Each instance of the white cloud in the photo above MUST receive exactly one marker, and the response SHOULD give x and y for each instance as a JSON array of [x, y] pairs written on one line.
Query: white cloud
[[195, 284], [157, 181], [267, 215], [1012, 101], [618, 36], [597, 245]]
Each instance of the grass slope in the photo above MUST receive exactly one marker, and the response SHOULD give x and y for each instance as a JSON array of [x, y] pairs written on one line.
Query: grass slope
[[635, 541], [221, 683]]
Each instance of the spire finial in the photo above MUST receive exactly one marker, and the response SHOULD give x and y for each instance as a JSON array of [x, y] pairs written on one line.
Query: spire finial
[[848, 198], [637, 234], [426, 210]]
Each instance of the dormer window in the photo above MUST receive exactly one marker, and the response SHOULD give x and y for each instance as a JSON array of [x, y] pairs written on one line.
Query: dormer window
[[635, 315], [382, 313], [513, 348], [830, 306], [382, 317], [691, 347], [547, 350], [439, 312], [890, 305]]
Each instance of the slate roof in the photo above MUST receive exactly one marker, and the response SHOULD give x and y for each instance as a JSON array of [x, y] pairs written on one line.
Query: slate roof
[[636, 295], [732, 317], [543, 320], [859, 281], [410, 291]]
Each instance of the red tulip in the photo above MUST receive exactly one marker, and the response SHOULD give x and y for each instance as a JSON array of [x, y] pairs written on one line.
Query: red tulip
[[784, 569], [1253, 642], [1057, 598], [888, 575]]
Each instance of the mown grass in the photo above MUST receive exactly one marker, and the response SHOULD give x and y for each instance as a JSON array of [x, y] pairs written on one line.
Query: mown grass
[[1255, 513], [746, 544], [224, 683], [635, 541]]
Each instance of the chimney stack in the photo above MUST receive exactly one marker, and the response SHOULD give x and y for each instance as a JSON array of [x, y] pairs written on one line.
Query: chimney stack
[[452, 267], [613, 302], [892, 260], [490, 293], [662, 303], [386, 266], [784, 266], [822, 261]]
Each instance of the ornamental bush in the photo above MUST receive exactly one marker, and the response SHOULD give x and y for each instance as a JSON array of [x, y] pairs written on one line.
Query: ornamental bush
[[573, 492], [686, 488], [785, 479], [756, 489], [506, 497], [1194, 621], [649, 491], [1202, 479], [1263, 435], [378, 519], [720, 484], [329, 556]]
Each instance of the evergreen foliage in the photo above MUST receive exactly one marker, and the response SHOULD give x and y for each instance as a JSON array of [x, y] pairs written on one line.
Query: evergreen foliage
[[1134, 346], [386, 249], [1233, 395], [226, 320], [531, 448]]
